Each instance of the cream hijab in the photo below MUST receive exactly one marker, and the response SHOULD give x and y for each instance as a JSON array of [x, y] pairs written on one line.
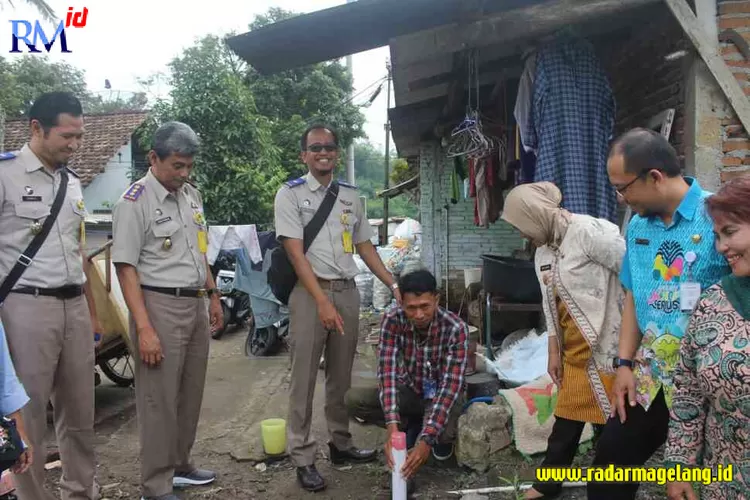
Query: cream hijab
[[534, 209]]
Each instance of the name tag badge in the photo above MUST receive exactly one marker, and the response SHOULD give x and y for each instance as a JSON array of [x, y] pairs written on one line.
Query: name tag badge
[[690, 293], [163, 220], [546, 267], [31, 198], [347, 242], [429, 389], [641, 241], [202, 241]]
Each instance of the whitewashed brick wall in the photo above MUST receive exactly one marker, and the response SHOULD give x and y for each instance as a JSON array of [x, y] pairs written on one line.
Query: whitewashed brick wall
[[467, 241]]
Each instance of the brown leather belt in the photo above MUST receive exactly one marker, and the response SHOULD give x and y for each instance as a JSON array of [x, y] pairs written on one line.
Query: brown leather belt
[[336, 284], [64, 292]]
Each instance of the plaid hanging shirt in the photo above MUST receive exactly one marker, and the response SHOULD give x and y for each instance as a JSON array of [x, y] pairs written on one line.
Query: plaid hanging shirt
[[571, 124], [404, 357]]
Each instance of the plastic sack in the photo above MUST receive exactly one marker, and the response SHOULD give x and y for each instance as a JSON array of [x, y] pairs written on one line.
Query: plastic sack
[[410, 229], [381, 295], [522, 361], [364, 281]]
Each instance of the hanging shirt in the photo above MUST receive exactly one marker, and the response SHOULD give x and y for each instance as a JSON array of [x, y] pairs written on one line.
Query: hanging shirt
[[572, 121], [523, 109]]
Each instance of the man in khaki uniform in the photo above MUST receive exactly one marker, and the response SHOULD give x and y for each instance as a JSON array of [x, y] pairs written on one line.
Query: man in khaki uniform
[[324, 306], [159, 250], [48, 321]]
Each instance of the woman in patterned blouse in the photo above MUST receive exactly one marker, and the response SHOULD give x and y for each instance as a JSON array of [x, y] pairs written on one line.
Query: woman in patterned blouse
[[710, 417]]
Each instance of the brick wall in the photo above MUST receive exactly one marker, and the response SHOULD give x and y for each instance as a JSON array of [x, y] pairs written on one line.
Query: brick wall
[[643, 81], [735, 141], [465, 242]]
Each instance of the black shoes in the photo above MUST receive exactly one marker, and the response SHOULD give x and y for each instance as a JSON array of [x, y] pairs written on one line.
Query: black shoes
[[353, 455], [310, 479]]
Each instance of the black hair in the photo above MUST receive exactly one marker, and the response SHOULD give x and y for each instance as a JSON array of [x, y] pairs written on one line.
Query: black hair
[[318, 126], [49, 106], [418, 282], [643, 150]]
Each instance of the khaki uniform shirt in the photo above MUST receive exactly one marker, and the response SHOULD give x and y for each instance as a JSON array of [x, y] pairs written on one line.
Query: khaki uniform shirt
[[27, 191], [296, 204], [162, 234]]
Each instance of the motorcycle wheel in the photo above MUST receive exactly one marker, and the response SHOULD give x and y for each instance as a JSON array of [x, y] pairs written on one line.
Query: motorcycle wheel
[[262, 341], [227, 313]]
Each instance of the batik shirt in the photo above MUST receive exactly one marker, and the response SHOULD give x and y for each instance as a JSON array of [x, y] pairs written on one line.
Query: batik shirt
[[653, 267]]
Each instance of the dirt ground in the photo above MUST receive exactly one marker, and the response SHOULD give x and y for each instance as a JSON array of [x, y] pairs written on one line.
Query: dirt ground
[[240, 393]]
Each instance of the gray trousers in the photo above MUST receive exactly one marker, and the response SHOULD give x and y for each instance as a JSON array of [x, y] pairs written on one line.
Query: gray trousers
[[169, 396], [51, 342], [308, 340]]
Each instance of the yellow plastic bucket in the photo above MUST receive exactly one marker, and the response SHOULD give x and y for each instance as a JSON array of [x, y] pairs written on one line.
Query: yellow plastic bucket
[[273, 431]]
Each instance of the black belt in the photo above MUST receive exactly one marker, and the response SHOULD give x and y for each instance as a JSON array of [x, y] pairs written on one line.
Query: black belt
[[64, 292], [178, 292]]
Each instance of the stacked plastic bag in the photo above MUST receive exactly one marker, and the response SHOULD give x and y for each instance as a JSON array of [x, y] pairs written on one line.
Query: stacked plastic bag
[[364, 282], [402, 255]]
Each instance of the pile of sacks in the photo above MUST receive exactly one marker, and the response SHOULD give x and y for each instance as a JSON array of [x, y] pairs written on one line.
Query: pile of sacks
[[400, 256]]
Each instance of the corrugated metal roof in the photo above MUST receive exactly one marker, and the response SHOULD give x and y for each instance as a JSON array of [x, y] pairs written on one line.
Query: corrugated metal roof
[[351, 28]]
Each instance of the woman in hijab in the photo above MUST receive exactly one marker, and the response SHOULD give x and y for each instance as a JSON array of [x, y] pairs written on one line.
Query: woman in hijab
[[577, 261], [710, 416]]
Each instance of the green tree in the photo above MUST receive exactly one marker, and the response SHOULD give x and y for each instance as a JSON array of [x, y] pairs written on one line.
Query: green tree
[[44, 9], [237, 169], [48, 14], [368, 167], [296, 98], [25, 78]]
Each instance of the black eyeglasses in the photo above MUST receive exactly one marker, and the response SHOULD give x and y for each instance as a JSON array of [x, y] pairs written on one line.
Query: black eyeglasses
[[317, 148], [621, 190]]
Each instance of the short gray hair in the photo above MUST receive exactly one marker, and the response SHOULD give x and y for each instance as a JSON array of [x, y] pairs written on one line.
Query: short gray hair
[[175, 138]]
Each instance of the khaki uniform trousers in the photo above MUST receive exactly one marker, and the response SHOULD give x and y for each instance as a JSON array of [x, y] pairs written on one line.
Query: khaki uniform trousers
[[169, 396], [308, 340], [51, 342]]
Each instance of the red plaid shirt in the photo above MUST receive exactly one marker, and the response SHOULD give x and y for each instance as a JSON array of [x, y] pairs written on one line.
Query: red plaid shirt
[[403, 361]]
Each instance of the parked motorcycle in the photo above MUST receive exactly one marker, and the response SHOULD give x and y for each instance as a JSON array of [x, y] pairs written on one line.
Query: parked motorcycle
[[235, 304], [271, 317]]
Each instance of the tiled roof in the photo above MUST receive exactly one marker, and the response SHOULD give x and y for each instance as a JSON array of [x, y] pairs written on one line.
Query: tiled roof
[[105, 135]]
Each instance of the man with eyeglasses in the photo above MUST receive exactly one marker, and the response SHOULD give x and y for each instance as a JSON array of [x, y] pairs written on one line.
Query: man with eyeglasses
[[324, 305], [670, 259]]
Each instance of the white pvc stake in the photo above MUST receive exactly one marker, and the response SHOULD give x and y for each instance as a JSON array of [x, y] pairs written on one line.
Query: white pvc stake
[[398, 454], [506, 489]]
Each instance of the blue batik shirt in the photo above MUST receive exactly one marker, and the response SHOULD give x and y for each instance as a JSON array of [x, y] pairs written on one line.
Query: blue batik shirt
[[653, 268]]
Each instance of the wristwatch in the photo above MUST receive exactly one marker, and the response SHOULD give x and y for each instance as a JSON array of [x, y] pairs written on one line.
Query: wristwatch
[[430, 440], [394, 287], [618, 362]]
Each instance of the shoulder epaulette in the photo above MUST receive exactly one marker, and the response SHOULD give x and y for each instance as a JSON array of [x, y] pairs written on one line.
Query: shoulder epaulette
[[296, 182], [7, 156], [346, 184], [75, 174], [134, 192]]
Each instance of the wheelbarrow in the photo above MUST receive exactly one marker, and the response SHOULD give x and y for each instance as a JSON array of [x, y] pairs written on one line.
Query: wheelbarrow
[[113, 352]]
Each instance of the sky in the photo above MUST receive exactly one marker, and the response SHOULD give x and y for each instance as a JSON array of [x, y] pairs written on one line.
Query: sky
[[109, 48]]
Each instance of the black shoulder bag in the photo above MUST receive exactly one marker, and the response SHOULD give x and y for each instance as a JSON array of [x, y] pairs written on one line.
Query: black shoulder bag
[[27, 257], [281, 275]]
